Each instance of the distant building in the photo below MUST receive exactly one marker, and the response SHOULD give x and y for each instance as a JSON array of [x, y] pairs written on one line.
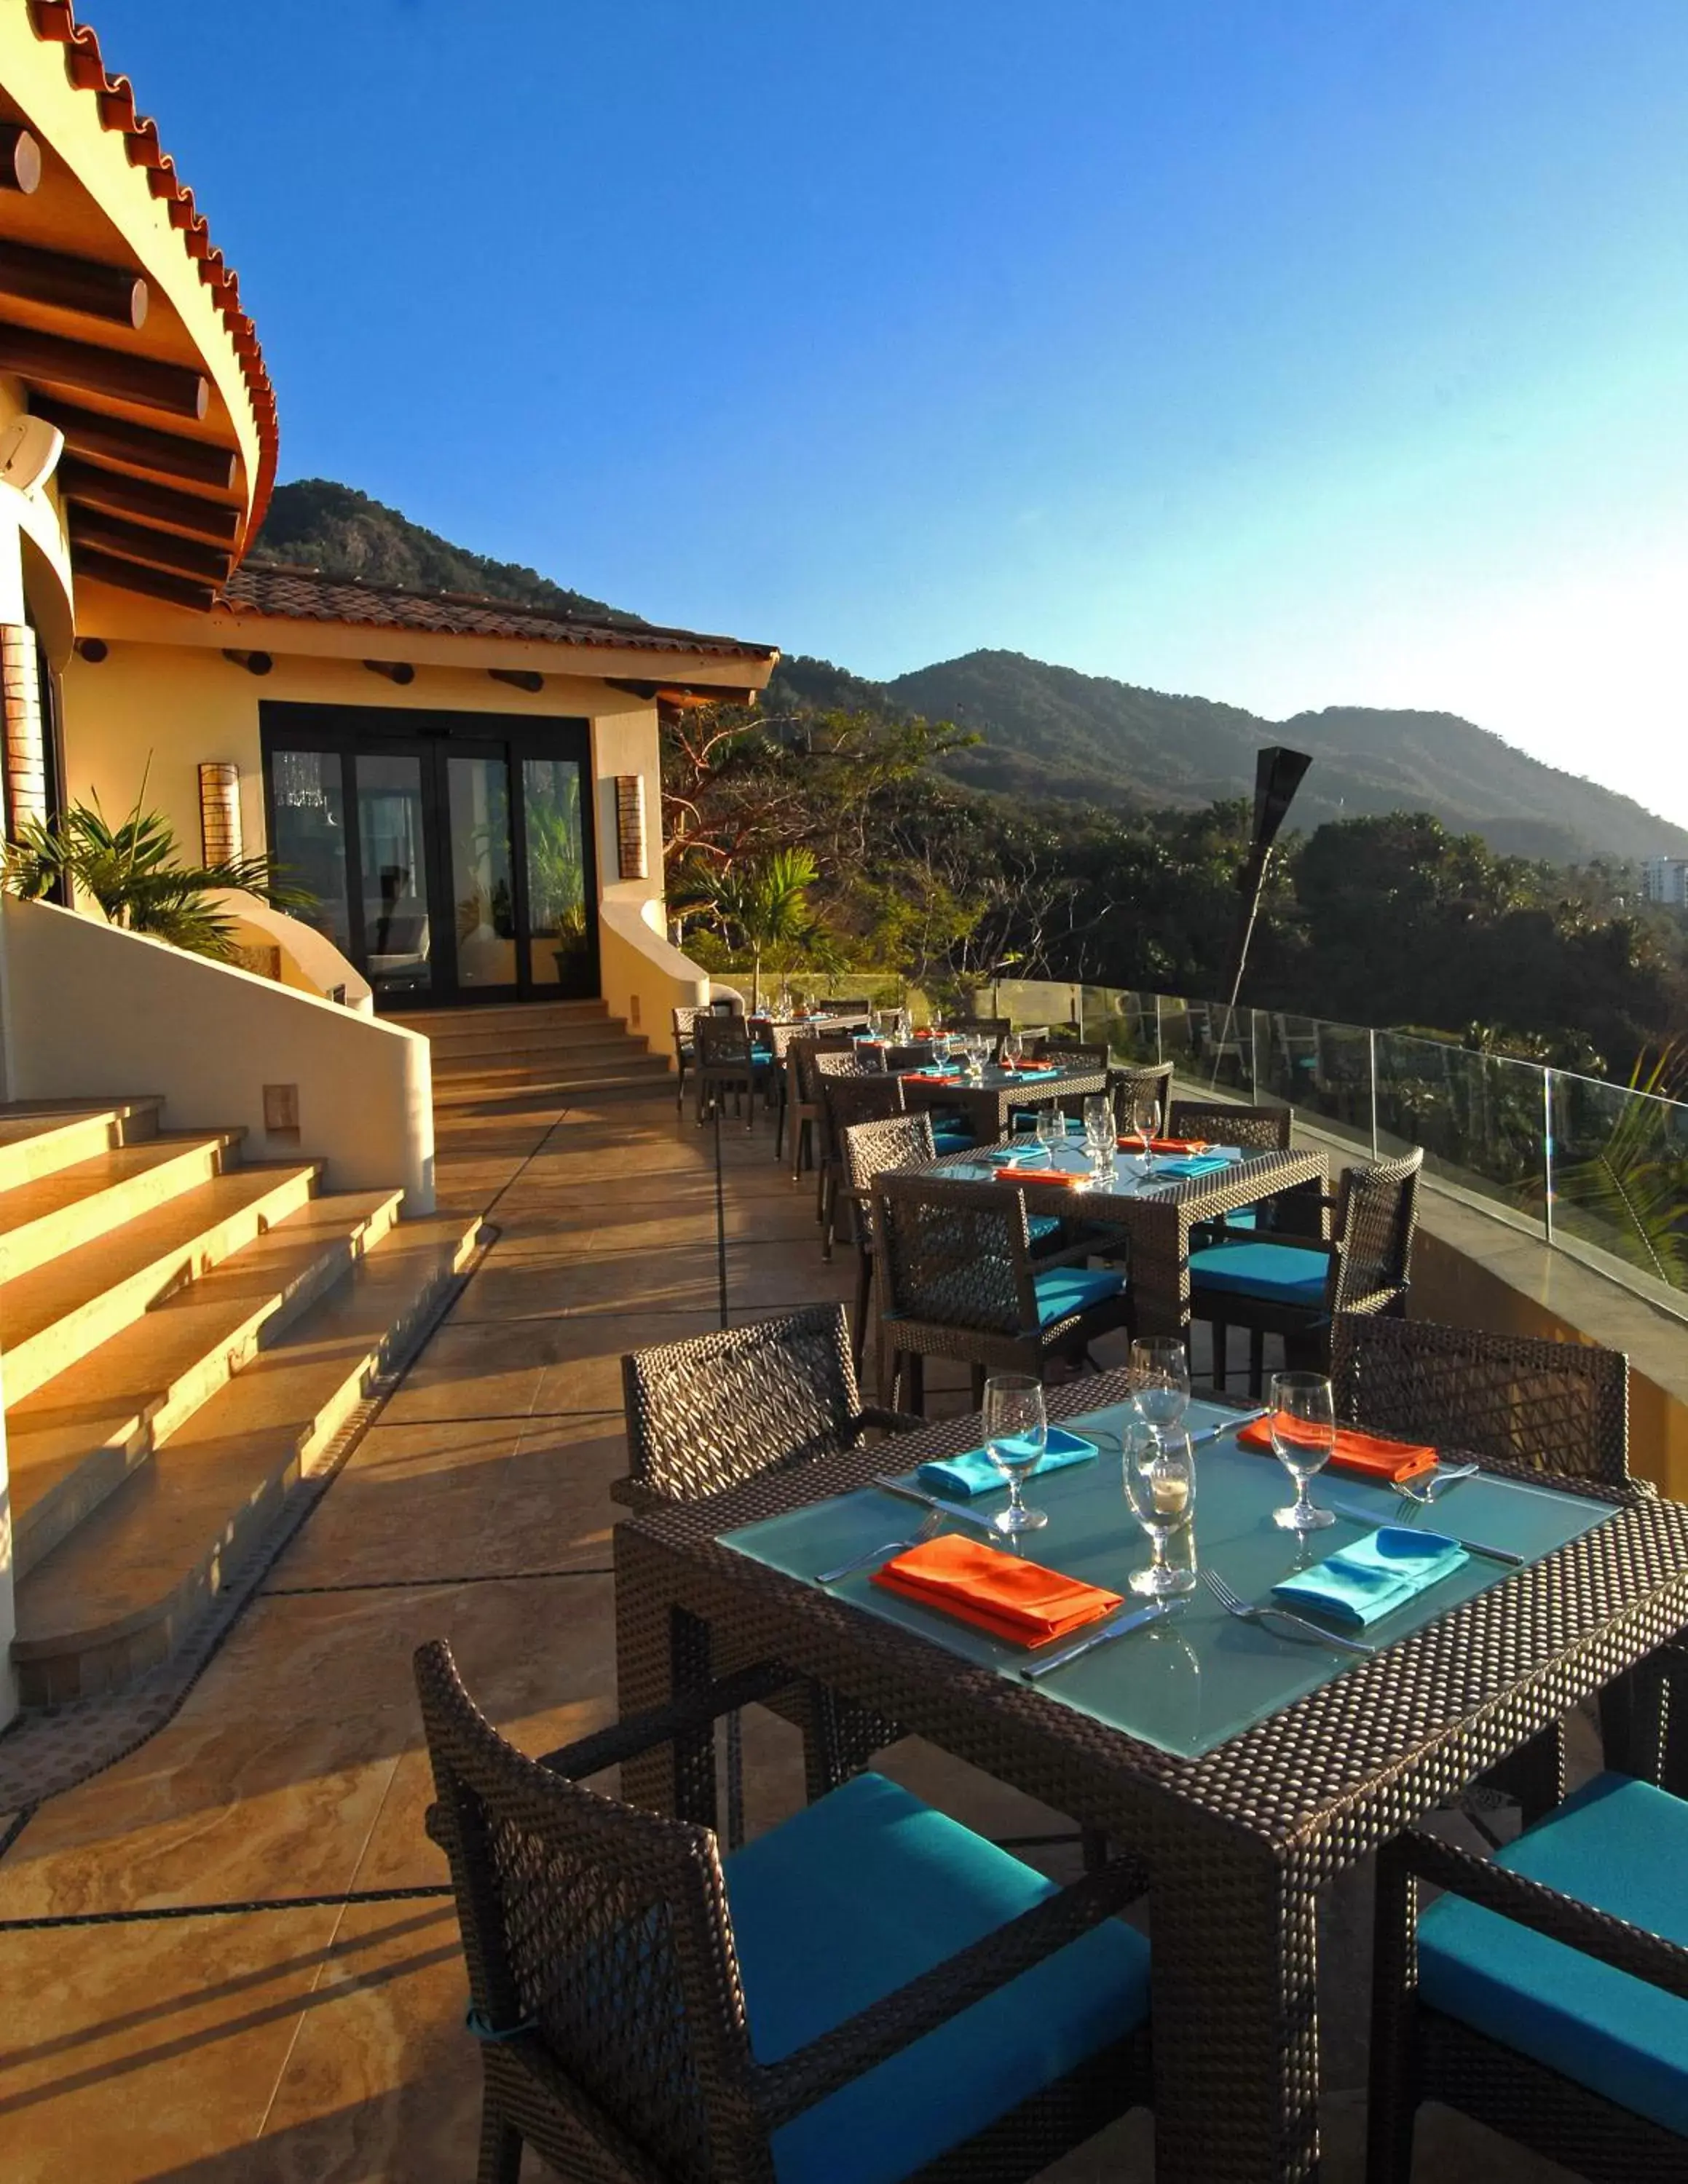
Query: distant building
[[1665, 879]]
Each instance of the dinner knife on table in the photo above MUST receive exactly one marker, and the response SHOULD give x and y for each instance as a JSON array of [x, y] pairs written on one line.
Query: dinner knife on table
[[1357, 1516]]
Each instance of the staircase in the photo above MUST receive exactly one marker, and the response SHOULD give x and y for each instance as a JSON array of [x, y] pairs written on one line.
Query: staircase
[[181, 1335], [512, 1056]]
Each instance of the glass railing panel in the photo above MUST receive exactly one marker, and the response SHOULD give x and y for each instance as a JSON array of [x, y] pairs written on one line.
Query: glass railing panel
[[1620, 1174], [1479, 1117], [1124, 1019]]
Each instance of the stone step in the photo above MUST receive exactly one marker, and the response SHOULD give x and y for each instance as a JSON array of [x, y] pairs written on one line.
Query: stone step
[[130, 1586], [38, 1137], [489, 1068], [52, 1214], [523, 1086], [75, 1440], [528, 1039], [57, 1313], [434, 1021]]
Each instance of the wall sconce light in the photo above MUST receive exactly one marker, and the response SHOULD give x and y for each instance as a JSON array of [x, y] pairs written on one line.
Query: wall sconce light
[[630, 825], [221, 842]]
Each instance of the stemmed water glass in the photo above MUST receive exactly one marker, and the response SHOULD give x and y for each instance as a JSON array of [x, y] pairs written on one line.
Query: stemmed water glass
[[1303, 1418], [1161, 1485], [1013, 1048], [1160, 1383], [1145, 1122], [1099, 1141], [1016, 1433]]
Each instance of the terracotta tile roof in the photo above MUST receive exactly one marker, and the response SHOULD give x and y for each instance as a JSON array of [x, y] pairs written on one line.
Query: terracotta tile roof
[[55, 19], [277, 587]]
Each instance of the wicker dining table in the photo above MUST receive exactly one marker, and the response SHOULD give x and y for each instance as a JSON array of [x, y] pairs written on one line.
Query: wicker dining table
[[989, 1100], [1158, 1215], [1240, 1841]]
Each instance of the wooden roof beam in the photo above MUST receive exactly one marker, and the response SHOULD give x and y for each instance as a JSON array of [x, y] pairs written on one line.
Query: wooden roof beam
[[138, 542], [116, 439], [152, 583], [77, 367], [91, 486], [111, 293]]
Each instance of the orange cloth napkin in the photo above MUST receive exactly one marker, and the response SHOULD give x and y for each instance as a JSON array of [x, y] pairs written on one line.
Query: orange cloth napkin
[[1068, 1177], [1166, 1146], [1010, 1598], [1368, 1456]]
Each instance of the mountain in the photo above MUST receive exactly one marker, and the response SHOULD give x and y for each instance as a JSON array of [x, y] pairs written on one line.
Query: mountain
[[346, 533], [1051, 733]]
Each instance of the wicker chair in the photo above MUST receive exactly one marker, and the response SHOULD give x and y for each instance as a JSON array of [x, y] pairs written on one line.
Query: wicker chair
[[1127, 1084], [800, 1107], [906, 1057], [1070, 1053], [1476, 2003], [1556, 1407], [847, 1098], [684, 1047], [647, 2009], [728, 1060], [709, 1413], [869, 1151], [1255, 1129], [957, 1280], [1295, 1286], [862, 1008]]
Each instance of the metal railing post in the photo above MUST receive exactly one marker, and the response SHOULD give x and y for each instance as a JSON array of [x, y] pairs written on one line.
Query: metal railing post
[[1547, 1153], [1372, 1074]]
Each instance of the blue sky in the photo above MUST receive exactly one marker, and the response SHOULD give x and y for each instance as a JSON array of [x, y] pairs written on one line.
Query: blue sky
[[1288, 352]]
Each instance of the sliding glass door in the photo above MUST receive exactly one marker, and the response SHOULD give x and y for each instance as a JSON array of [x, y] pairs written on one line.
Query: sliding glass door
[[449, 855]]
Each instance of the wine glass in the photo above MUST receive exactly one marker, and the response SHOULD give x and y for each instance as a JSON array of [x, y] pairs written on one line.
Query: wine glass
[[1303, 1434], [1146, 1122], [1160, 1383], [1013, 1048], [1160, 1486], [1051, 1127], [1016, 1433], [1099, 1137]]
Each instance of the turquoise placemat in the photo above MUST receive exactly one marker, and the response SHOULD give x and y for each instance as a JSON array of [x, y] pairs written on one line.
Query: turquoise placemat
[[1201, 1677]]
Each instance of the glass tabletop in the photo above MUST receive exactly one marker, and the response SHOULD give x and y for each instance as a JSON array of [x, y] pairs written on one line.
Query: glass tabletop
[[1128, 1179], [1199, 1676]]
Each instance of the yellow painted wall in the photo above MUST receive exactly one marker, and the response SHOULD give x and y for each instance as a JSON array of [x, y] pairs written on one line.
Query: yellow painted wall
[[181, 705]]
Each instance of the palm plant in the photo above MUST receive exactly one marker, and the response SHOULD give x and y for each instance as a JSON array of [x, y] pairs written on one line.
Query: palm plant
[[1636, 1185], [764, 906], [135, 871]]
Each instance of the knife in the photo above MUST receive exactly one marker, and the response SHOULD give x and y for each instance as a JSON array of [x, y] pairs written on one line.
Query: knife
[[936, 1502], [1120, 1627], [1231, 1425], [1472, 1547]]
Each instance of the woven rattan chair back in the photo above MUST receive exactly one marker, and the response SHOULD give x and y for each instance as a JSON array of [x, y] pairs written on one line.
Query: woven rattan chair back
[[707, 1413], [1255, 1129], [1555, 1407], [602, 1932], [802, 1054], [870, 1150], [955, 1254], [845, 1100], [723, 1042], [907, 1058], [862, 1007], [684, 1020], [1129, 1083], [982, 1026], [1071, 1053], [1377, 1218]]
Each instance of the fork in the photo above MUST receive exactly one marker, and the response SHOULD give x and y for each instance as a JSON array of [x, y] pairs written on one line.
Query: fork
[[1234, 1604], [927, 1531], [1425, 1490]]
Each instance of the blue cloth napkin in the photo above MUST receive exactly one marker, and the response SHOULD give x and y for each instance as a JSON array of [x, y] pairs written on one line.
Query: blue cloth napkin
[[975, 1472], [1362, 1583], [1182, 1166]]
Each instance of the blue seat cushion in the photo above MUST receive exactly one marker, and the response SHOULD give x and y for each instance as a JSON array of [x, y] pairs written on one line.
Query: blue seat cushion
[[1041, 1225], [951, 1138], [1622, 1846], [1066, 1289], [1278, 1272], [858, 1894]]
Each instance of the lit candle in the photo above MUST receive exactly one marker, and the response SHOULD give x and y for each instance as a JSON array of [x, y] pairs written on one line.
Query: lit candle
[[1172, 1494]]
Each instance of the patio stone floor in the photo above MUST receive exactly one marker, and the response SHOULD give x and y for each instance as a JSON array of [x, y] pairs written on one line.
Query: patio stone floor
[[325, 2043]]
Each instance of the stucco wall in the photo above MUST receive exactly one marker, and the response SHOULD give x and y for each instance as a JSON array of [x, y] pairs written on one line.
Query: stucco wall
[[183, 706]]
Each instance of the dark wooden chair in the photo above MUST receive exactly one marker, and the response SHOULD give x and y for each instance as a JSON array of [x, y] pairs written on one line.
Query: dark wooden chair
[[957, 1280], [869, 1993], [1545, 1993], [1294, 1285], [728, 1060]]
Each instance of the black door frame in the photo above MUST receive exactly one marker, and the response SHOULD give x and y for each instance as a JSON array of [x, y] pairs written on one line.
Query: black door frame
[[432, 737]]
